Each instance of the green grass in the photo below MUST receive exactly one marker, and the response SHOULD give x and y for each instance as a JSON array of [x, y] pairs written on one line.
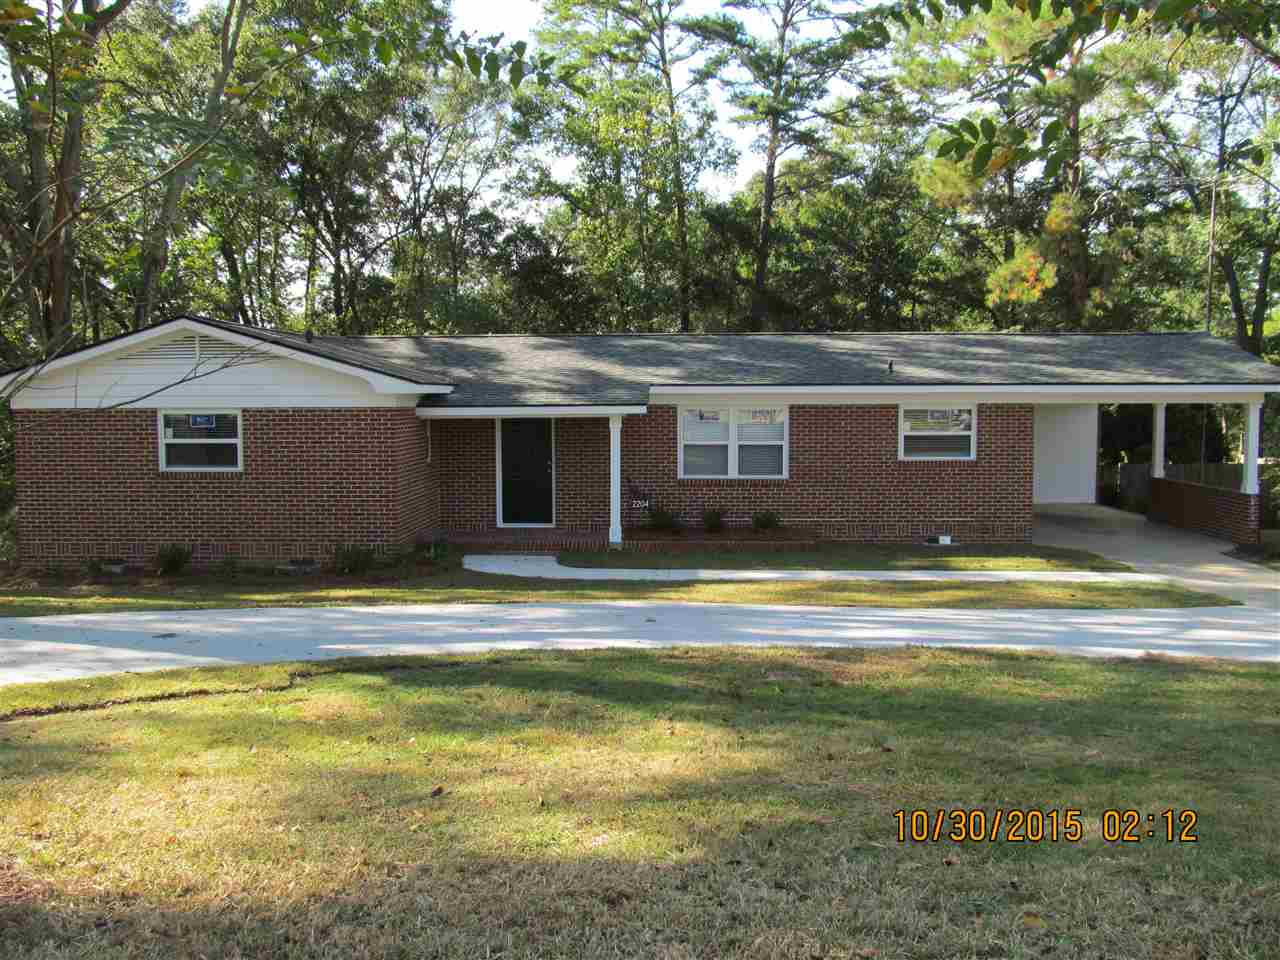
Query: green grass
[[29, 596], [1020, 557], [674, 804]]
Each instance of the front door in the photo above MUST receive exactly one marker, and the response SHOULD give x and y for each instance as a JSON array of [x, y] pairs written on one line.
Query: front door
[[526, 478]]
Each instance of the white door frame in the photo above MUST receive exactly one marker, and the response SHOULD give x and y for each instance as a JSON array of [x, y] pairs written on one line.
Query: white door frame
[[497, 432]]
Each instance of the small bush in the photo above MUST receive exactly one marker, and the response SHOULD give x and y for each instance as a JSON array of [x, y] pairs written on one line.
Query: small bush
[[93, 568], [431, 551], [229, 568], [766, 520], [172, 559], [660, 518], [712, 520], [353, 558]]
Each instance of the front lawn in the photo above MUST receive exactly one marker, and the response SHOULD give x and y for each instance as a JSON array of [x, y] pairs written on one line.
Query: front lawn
[[28, 595], [718, 803], [855, 556]]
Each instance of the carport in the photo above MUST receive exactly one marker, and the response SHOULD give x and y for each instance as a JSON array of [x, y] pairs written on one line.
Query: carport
[[1066, 459]]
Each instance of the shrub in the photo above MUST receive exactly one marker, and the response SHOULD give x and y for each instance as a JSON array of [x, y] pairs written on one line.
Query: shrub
[[431, 551], [93, 568], [712, 520], [172, 559], [766, 520], [229, 568], [660, 518], [354, 558]]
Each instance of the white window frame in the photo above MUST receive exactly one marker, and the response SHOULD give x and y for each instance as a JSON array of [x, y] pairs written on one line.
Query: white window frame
[[902, 431], [187, 411], [733, 444]]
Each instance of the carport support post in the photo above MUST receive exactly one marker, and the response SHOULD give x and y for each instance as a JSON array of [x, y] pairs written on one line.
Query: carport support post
[[615, 479], [1157, 441], [1253, 425]]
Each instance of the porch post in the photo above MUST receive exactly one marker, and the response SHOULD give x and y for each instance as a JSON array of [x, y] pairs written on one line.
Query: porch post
[[1253, 424], [1157, 441], [615, 479]]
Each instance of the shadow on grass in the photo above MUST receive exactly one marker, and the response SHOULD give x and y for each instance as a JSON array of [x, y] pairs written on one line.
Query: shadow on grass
[[681, 803], [793, 887]]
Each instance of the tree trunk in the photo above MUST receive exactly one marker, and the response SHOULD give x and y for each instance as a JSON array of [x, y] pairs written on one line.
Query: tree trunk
[[1261, 297], [764, 233], [156, 247], [677, 177], [235, 284]]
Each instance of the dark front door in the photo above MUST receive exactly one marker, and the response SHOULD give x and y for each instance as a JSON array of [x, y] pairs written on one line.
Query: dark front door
[[528, 477]]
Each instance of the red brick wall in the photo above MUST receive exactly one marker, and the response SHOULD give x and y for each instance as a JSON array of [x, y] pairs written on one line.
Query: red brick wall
[[89, 485], [846, 480], [466, 453], [1228, 514], [416, 475], [468, 483]]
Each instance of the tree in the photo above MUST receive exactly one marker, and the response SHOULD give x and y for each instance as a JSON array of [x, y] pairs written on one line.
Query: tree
[[639, 133], [647, 34], [56, 64], [50, 59], [778, 83], [1190, 104], [1228, 22]]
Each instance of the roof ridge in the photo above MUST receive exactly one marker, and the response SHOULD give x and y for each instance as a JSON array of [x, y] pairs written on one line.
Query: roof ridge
[[760, 333]]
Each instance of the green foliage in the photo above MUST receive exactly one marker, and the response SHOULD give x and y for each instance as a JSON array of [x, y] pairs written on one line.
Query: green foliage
[[352, 559], [9, 534], [713, 520], [658, 517], [172, 559], [766, 520]]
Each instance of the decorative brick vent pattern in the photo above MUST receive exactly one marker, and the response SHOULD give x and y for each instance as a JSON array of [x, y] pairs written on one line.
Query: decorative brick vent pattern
[[89, 485], [1228, 514]]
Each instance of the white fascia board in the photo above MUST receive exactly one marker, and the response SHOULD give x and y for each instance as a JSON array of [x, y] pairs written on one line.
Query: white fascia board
[[597, 410], [1051, 393], [381, 383]]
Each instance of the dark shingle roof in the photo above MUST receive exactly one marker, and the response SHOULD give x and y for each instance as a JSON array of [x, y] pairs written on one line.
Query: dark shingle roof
[[511, 371], [620, 369]]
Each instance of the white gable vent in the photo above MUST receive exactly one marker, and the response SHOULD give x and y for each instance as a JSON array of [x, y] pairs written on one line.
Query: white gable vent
[[179, 349], [193, 351]]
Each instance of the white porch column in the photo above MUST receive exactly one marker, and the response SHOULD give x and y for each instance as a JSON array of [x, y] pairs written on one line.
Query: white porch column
[[1157, 441], [615, 479], [1253, 424]]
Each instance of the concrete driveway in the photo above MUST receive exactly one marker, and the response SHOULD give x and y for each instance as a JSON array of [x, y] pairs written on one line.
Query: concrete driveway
[[50, 648], [1196, 561]]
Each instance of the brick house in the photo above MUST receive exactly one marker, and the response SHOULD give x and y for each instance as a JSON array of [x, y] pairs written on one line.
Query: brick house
[[263, 445]]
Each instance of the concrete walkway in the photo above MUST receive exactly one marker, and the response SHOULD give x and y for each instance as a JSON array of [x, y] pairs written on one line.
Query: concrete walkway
[[1195, 561], [550, 568], [62, 647]]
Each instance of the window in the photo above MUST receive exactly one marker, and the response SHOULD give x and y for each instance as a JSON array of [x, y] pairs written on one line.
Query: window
[[939, 433], [733, 442], [200, 441]]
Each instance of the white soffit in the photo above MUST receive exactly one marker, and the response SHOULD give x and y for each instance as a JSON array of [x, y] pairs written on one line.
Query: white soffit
[[583, 410]]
